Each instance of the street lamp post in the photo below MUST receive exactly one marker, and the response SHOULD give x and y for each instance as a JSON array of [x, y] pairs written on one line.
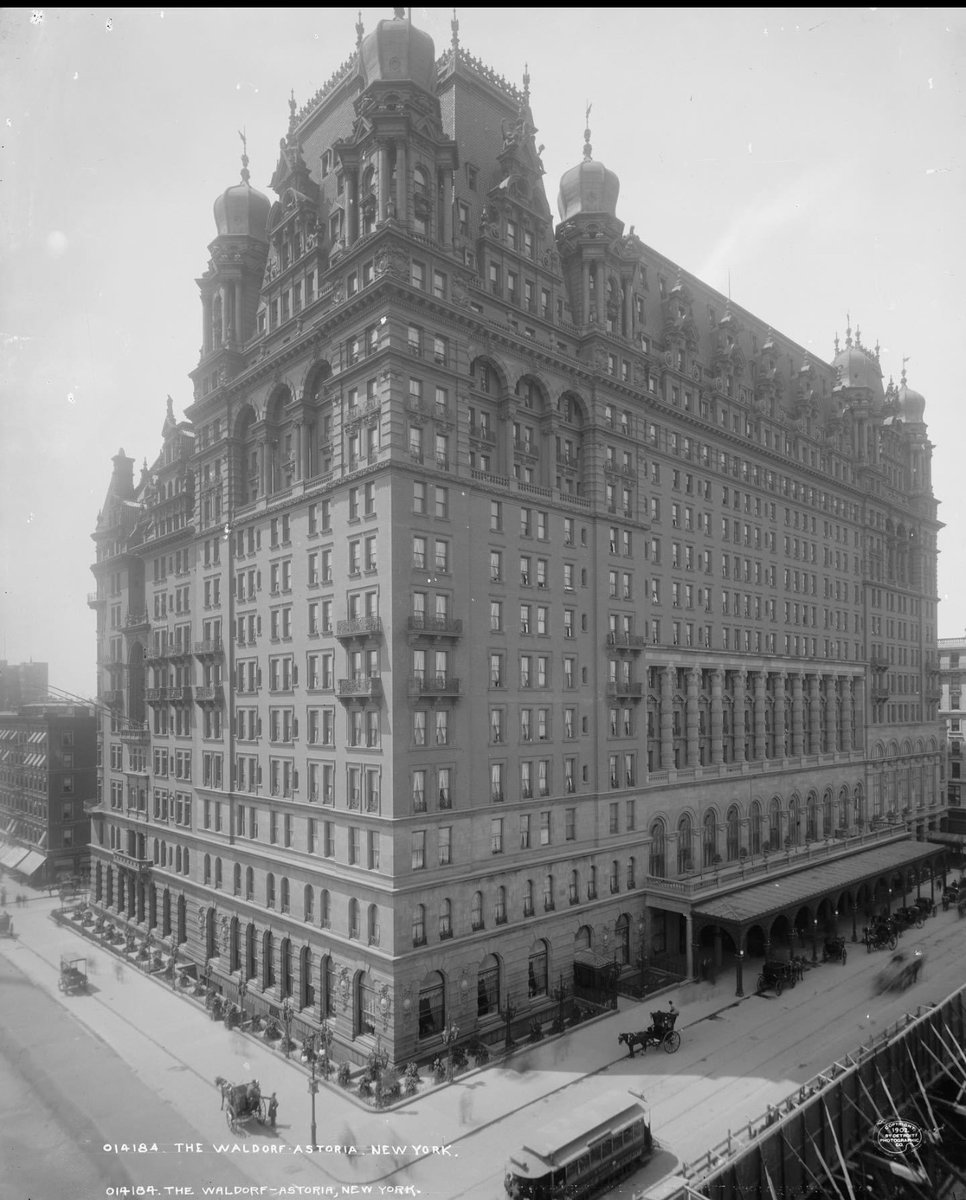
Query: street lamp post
[[313, 1092], [450, 1034], [814, 939], [242, 989], [740, 990], [509, 1012], [287, 1023]]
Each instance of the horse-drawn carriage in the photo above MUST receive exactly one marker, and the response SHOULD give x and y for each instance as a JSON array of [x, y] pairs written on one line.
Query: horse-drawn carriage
[[834, 950], [776, 976], [660, 1033], [961, 904], [952, 894], [6, 925], [242, 1103], [906, 918], [73, 975], [880, 937], [901, 972]]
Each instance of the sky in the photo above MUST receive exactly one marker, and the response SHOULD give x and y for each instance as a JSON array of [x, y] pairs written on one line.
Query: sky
[[812, 157]]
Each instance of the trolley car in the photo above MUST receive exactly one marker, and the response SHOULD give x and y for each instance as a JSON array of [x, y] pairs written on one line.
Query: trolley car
[[582, 1154]]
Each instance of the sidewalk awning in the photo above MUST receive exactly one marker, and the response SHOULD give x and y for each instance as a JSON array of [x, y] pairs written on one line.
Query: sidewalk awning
[[12, 855], [759, 899], [31, 864]]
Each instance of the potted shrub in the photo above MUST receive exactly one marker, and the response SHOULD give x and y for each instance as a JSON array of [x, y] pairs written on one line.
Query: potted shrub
[[536, 1030], [411, 1079], [481, 1055], [344, 1074]]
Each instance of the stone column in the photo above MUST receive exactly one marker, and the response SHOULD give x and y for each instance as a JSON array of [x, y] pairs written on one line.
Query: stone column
[[778, 717], [738, 721], [831, 713], [207, 335], [585, 290], [667, 717], [761, 680], [236, 318], [385, 175], [797, 714], [694, 679], [815, 716], [351, 206], [601, 297], [688, 935], [717, 717], [846, 731], [402, 183]]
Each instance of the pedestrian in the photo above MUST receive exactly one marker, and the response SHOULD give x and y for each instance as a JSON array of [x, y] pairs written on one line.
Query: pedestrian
[[3, 896], [272, 1109], [119, 972]]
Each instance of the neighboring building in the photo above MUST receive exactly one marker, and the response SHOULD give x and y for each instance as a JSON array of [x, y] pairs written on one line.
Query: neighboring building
[[952, 710], [22, 683], [48, 780], [504, 587]]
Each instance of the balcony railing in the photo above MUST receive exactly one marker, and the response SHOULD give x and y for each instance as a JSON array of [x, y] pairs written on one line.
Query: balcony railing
[[360, 687], [208, 695], [623, 688], [132, 862], [136, 620], [434, 685], [208, 647], [358, 627], [626, 641], [180, 694], [431, 624], [136, 735]]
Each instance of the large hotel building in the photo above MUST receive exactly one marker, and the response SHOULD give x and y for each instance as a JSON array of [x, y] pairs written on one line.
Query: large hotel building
[[504, 592]]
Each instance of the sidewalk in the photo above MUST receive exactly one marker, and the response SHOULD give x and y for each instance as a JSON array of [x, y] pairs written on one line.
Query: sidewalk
[[149, 1025]]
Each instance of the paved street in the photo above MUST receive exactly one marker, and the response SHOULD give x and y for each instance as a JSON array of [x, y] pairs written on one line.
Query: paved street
[[152, 1080]]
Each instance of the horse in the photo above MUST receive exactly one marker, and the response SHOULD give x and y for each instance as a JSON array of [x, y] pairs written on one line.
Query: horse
[[630, 1040], [241, 1097]]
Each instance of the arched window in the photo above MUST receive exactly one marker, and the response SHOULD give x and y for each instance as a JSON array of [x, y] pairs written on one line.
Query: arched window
[[236, 880], [372, 925], [615, 877], [684, 844], [500, 915], [754, 827], [207, 868], [285, 965], [308, 903], [548, 893], [656, 858], [476, 912], [592, 883], [528, 898], [269, 890], [217, 872], [353, 918], [631, 873], [774, 823], [325, 909], [732, 833], [432, 1005], [827, 813], [446, 920], [811, 817], [268, 960], [285, 897], [488, 986], [249, 883], [419, 925], [709, 838], [574, 887], [537, 970]]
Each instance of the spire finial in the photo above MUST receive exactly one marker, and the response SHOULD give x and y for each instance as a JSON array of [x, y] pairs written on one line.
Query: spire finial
[[836, 343], [245, 173], [360, 30], [291, 112], [526, 83], [588, 148], [455, 27], [902, 377], [858, 336], [170, 408], [848, 329]]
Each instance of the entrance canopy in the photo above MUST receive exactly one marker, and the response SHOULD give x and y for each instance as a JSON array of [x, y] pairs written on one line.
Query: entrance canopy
[[12, 855], [31, 864], [758, 900]]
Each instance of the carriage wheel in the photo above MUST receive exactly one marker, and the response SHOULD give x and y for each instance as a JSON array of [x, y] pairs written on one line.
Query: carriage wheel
[[672, 1041], [61, 985], [919, 921], [230, 1119], [778, 987], [893, 941]]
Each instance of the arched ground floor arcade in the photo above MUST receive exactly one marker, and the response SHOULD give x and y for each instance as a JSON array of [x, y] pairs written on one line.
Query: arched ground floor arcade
[[790, 912]]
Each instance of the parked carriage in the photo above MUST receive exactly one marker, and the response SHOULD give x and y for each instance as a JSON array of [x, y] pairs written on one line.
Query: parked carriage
[[906, 918], [834, 950], [73, 975], [776, 976], [951, 894], [880, 937], [242, 1103], [660, 1033]]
